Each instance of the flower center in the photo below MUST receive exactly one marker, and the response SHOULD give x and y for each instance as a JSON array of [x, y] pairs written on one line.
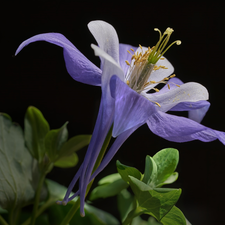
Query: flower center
[[143, 63]]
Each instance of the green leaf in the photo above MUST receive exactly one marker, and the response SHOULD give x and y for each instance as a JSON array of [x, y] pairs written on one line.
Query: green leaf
[[174, 217], [172, 178], [125, 203], [139, 221], [126, 171], [156, 202], [109, 179], [166, 160], [2, 211], [74, 144], [56, 190], [150, 170], [6, 115], [54, 141], [35, 130], [109, 189], [67, 161], [99, 217], [18, 170], [153, 221]]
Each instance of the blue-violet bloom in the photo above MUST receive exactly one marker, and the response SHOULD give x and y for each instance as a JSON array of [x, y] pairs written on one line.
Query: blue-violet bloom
[[126, 75]]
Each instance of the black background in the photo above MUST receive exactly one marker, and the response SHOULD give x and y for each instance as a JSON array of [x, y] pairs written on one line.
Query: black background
[[38, 77]]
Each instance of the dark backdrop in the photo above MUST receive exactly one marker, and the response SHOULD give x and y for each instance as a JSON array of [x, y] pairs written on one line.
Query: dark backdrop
[[38, 77]]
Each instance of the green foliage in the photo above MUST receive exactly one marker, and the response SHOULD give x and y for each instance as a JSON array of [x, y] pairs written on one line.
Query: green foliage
[[58, 212], [67, 161], [18, 170], [51, 146], [109, 186], [150, 173], [35, 130], [26, 158], [126, 171], [54, 141], [74, 144], [175, 217], [166, 160], [125, 203], [156, 202], [150, 198]]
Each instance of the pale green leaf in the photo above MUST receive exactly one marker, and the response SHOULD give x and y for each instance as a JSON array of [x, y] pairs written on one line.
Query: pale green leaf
[[67, 161], [18, 170]]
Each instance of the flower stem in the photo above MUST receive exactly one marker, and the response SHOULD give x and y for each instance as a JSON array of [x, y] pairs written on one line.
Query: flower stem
[[76, 205], [2, 221], [37, 198]]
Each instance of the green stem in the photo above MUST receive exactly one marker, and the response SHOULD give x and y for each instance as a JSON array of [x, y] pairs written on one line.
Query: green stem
[[2, 221], [76, 205], [40, 211], [71, 213], [37, 198], [13, 214]]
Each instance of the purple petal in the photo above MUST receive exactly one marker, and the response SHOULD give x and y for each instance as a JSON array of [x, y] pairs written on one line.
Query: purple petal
[[78, 66], [199, 113], [196, 110], [131, 109], [181, 129], [72, 184], [124, 55], [102, 126]]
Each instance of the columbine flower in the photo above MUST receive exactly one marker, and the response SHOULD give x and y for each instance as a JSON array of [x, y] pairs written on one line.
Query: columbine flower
[[127, 74]]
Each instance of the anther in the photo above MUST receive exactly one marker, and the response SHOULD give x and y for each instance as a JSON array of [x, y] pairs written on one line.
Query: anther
[[168, 86], [128, 82], [140, 46], [157, 104], [127, 63], [132, 49], [129, 52]]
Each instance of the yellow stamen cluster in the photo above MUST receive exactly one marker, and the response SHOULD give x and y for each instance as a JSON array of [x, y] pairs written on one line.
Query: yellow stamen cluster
[[143, 63], [139, 57], [139, 64]]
